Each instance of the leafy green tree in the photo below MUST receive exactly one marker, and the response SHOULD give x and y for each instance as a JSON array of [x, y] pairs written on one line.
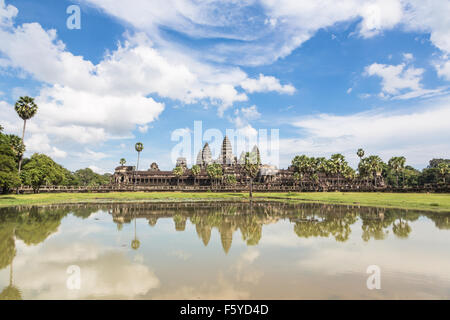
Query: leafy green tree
[[16, 144], [139, 147], [122, 161], [195, 170], [9, 177], [251, 168], [435, 162], [42, 170], [26, 109], [87, 177]]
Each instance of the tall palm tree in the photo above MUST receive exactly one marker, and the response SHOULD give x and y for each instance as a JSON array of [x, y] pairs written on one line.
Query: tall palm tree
[[195, 170], [26, 109], [139, 147], [122, 161], [397, 164], [443, 169], [375, 167], [251, 168], [360, 153], [178, 172]]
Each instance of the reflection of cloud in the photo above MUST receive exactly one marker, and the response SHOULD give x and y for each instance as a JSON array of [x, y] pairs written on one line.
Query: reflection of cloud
[[221, 289], [40, 273], [180, 254], [244, 271]]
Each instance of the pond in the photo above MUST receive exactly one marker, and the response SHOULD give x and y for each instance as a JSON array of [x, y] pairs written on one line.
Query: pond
[[217, 250]]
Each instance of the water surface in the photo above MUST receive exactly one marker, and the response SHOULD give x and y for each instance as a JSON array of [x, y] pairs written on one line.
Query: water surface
[[222, 251]]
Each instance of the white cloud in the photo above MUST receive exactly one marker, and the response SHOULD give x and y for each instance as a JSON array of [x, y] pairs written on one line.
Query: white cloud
[[40, 143], [443, 68], [46, 277], [86, 104], [266, 84], [7, 14], [283, 25], [251, 113], [408, 56], [97, 169], [400, 81], [419, 135]]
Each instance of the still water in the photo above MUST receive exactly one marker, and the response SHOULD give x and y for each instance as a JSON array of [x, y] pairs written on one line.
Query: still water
[[222, 251]]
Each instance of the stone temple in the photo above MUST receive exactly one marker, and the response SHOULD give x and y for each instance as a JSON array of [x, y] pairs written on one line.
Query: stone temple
[[153, 177], [269, 177]]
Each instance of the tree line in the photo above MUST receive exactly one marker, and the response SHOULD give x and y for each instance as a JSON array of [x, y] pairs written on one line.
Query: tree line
[[371, 169]]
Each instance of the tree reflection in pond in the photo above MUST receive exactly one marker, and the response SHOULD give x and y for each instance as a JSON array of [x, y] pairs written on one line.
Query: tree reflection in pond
[[34, 225]]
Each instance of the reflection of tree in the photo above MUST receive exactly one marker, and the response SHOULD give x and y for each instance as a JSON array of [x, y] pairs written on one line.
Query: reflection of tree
[[310, 220], [11, 292], [7, 244], [180, 222], [441, 220], [373, 229], [135, 244], [36, 225], [84, 212], [401, 229], [323, 224]]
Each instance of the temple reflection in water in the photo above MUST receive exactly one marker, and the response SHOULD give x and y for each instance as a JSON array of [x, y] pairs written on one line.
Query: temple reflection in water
[[34, 225]]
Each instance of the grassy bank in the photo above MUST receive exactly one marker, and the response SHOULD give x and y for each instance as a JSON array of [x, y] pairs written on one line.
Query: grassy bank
[[420, 201]]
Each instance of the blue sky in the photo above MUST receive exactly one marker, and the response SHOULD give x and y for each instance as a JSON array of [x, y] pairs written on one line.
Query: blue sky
[[331, 78]]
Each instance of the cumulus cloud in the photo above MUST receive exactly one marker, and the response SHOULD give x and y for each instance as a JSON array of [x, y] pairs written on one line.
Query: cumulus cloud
[[7, 14], [266, 84], [443, 68], [400, 81], [46, 277]]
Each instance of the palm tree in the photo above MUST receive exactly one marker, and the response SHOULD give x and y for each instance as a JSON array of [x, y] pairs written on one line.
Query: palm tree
[[251, 168], [195, 170], [122, 161], [443, 170], [26, 109], [360, 153], [139, 147], [397, 164], [375, 167], [178, 172], [214, 172], [339, 163]]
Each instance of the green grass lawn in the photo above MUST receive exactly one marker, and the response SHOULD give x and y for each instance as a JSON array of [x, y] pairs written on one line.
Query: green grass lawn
[[420, 201]]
